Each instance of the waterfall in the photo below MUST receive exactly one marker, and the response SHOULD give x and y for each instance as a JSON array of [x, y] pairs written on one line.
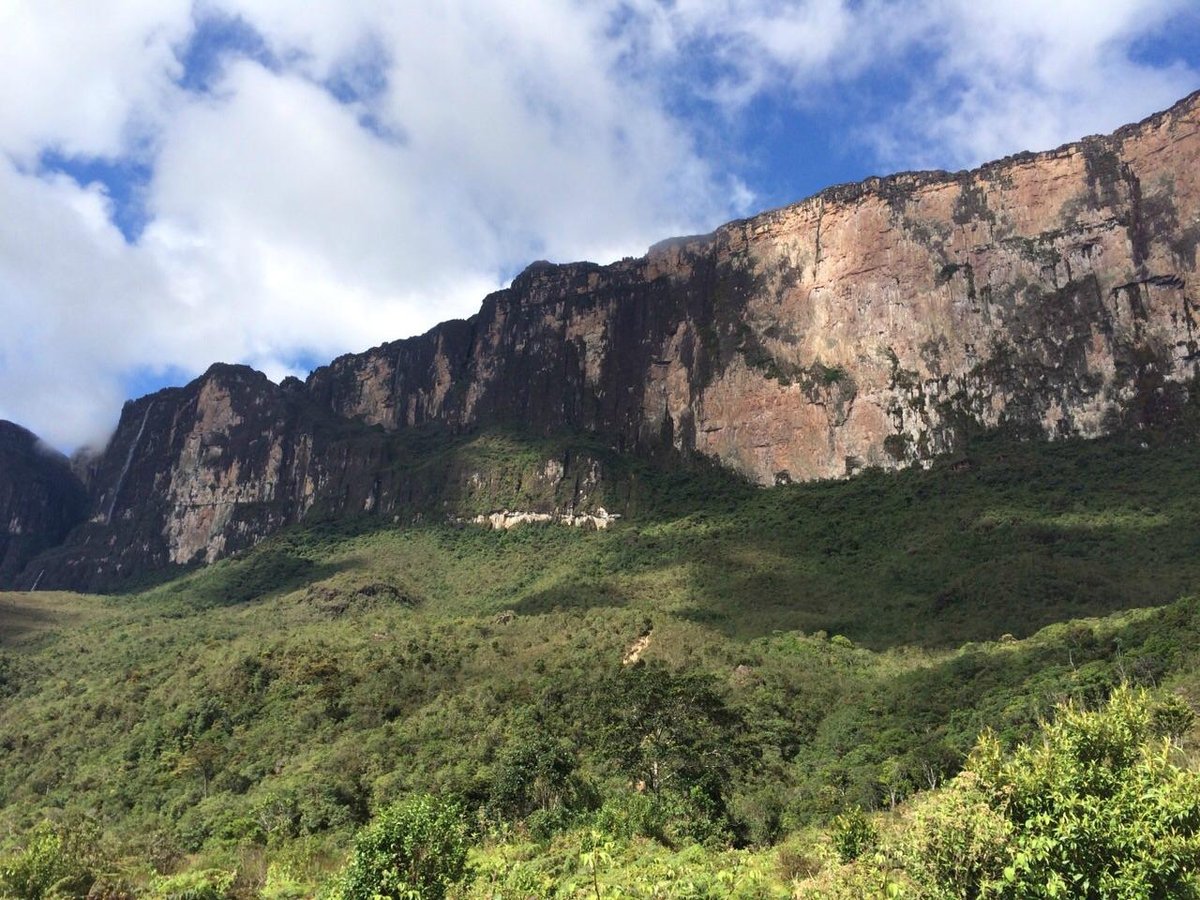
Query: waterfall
[[112, 503]]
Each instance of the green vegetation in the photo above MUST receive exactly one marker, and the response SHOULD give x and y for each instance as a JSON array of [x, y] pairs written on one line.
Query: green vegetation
[[733, 693], [416, 848], [1097, 807]]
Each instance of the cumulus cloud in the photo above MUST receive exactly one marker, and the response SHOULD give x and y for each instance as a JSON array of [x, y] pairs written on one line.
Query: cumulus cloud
[[75, 300], [85, 81], [370, 172], [321, 177], [947, 82]]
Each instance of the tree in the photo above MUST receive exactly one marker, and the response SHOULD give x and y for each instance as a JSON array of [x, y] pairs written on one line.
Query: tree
[[671, 729], [203, 758], [677, 741], [415, 849], [535, 773]]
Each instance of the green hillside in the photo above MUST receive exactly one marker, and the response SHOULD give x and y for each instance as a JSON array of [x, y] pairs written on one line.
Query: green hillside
[[693, 697]]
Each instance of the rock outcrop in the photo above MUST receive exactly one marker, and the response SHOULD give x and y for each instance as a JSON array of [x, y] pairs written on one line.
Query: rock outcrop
[[41, 500], [1052, 294], [195, 473], [1055, 293]]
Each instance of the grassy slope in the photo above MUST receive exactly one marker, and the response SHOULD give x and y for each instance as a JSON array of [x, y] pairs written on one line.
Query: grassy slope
[[294, 690]]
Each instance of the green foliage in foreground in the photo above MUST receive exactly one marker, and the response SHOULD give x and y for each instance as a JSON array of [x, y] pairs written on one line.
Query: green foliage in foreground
[[1097, 807], [54, 862]]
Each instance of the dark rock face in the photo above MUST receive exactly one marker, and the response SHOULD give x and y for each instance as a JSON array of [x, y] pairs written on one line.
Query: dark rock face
[[195, 473], [40, 499], [1054, 294]]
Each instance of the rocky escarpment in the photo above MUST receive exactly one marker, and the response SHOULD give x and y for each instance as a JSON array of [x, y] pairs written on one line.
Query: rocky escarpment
[[41, 500], [1052, 294], [195, 473], [873, 324]]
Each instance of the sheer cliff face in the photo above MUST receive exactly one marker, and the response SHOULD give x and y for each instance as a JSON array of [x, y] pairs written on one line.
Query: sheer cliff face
[[1055, 293], [190, 474], [40, 499], [195, 473], [875, 324]]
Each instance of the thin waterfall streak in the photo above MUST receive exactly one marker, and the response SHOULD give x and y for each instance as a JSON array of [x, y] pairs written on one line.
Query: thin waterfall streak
[[112, 503]]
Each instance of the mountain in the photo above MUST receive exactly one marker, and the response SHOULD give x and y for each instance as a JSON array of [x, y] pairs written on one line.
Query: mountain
[[41, 499], [198, 472], [875, 324]]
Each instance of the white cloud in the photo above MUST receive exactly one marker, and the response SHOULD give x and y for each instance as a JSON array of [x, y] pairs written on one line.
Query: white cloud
[[75, 299], [397, 161], [746, 47], [284, 222], [963, 81], [1029, 75], [84, 78]]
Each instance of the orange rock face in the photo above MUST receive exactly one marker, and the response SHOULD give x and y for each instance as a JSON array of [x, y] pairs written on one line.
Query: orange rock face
[[873, 324]]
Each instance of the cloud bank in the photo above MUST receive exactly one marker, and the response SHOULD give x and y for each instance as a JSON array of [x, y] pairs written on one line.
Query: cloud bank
[[276, 183]]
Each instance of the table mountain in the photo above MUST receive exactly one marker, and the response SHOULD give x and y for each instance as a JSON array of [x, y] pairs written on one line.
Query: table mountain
[[875, 324]]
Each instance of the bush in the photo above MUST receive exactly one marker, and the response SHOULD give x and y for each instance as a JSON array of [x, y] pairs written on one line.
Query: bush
[[55, 861], [200, 884], [1097, 808], [282, 884], [418, 847], [536, 780], [853, 835], [959, 843], [632, 815]]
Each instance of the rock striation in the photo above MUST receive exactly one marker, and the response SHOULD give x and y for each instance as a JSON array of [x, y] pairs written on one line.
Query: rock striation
[[875, 324]]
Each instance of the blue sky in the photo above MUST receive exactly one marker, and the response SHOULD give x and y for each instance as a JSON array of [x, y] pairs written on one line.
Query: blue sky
[[275, 183]]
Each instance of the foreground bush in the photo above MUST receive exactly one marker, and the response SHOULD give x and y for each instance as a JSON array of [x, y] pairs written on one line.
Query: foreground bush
[[204, 884], [415, 849], [1098, 808], [54, 862]]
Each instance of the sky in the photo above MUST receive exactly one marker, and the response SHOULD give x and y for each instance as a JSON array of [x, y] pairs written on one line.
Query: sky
[[276, 183]]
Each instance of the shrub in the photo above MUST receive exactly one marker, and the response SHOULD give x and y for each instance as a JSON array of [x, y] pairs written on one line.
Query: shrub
[[416, 848], [796, 862], [282, 884], [631, 815], [536, 775], [853, 835], [1096, 808], [55, 861], [959, 843], [199, 884], [1172, 717]]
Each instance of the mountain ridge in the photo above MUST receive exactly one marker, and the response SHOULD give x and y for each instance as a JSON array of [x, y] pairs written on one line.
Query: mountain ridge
[[877, 324], [837, 192]]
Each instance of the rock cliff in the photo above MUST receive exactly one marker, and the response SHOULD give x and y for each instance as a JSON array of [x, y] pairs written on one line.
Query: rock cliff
[[41, 500], [1051, 294], [1054, 293], [198, 472]]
